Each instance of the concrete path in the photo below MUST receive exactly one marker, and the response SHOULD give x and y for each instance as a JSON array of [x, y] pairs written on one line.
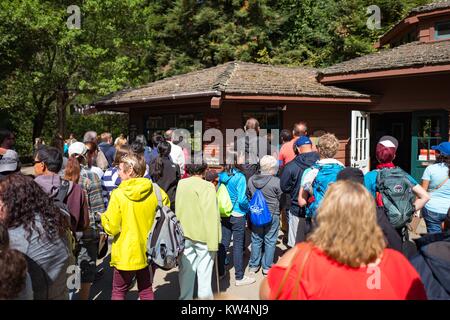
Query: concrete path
[[166, 284]]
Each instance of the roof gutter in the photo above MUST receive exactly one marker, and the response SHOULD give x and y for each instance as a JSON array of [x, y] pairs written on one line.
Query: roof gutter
[[212, 93]]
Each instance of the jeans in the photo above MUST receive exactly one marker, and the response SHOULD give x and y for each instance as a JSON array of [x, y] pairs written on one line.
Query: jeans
[[433, 220], [122, 281], [233, 227], [196, 261], [268, 239]]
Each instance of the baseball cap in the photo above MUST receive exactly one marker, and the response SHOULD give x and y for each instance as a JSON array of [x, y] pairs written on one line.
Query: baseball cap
[[303, 140], [443, 148], [77, 148], [389, 142], [9, 161]]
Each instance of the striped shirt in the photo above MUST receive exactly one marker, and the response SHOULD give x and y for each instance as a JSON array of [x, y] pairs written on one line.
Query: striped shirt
[[111, 180]]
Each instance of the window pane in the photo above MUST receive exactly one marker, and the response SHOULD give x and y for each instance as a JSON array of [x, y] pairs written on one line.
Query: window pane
[[443, 30]]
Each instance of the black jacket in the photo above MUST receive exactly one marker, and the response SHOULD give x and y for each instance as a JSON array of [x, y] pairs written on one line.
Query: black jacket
[[291, 177], [432, 262], [393, 239], [253, 152], [169, 179]]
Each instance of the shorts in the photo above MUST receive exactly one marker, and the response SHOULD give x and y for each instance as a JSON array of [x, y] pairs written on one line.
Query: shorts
[[87, 260]]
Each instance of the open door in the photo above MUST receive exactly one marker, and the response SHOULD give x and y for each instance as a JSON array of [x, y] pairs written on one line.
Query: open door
[[360, 141]]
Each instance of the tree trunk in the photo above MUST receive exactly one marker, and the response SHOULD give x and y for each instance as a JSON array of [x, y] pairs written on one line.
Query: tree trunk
[[61, 106]]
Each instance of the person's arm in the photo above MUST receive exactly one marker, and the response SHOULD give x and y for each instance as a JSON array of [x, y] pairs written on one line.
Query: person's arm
[[426, 178], [284, 261], [302, 197], [112, 218], [425, 184], [422, 197], [264, 290], [286, 180]]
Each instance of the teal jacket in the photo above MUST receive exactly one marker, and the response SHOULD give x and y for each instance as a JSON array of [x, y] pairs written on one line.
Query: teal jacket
[[237, 188]]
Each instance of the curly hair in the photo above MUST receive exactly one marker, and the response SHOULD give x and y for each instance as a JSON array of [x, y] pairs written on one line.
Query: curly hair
[[13, 268], [328, 146], [23, 200], [347, 230]]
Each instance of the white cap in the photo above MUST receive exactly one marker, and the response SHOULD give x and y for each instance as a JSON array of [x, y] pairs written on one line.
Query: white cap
[[9, 161], [77, 148]]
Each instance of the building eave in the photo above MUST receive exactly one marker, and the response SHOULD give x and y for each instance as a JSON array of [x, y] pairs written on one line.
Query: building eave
[[301, 99], [381, 74]]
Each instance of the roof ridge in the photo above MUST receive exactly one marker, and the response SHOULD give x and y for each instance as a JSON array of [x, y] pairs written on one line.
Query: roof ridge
[[224, 78]]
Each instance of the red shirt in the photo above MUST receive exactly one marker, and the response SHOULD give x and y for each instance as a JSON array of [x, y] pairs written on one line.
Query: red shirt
[[287, 153], [394, 278]]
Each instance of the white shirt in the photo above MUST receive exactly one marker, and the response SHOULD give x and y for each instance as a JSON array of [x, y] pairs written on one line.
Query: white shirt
[[177, 156]]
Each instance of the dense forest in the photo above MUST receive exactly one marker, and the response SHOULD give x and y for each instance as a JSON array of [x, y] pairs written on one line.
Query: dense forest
[[46, 67]]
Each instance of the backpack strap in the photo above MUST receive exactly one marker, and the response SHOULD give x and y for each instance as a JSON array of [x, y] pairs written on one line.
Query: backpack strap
[[158, 194], [307, 248], [64, 190], [440, 185]]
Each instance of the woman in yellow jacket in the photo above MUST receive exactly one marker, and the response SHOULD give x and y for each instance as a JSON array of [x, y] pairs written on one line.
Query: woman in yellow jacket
[[129, 218]]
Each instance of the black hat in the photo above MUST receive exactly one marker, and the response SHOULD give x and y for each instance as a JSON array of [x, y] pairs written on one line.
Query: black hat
[[353, 174]]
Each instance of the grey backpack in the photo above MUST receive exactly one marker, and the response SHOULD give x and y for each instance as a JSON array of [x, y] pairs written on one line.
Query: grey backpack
[[165, 242]]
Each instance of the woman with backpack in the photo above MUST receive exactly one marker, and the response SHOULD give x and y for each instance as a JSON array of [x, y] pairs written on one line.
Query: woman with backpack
[[129, 219], [265, 236], [165, 173], [316, 180], [196, 202], [234, 224], [388, 177], [89, 242], [38, 230], [345, 257], [436, 181]]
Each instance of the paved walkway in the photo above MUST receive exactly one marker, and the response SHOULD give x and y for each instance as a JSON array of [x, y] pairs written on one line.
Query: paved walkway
[[166, 284]]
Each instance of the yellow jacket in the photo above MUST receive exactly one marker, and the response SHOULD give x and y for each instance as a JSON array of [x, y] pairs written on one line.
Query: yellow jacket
[[129, 218]]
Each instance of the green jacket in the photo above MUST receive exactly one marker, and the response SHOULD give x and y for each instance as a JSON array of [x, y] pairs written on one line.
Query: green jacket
[[198, 212]]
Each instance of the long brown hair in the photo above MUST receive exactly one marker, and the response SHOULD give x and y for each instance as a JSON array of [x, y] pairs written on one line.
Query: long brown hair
[[347, 230], [73, 169], [24, 201]]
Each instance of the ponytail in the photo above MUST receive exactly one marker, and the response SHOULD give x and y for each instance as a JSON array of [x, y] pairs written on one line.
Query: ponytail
[[73, 169]]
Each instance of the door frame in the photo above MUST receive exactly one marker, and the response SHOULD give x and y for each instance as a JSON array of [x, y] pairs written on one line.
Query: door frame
[[418, 166]]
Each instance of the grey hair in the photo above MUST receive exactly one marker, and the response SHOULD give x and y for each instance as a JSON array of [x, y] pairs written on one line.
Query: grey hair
[[90, 136], [268, 165]]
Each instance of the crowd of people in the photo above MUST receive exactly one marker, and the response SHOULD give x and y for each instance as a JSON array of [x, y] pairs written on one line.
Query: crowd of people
[[338, 224]]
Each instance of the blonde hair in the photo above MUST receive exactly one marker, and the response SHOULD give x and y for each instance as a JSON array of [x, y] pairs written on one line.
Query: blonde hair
[[347, 230], [328, 145], [131, 161]]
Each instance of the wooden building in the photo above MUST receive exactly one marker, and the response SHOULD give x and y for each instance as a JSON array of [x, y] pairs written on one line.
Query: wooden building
[[403, 90]]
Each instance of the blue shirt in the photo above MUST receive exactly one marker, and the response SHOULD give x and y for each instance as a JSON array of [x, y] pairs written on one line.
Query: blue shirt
[[370, 181], [440, 198]]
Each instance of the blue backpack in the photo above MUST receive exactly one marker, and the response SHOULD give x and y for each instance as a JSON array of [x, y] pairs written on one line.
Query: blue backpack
[[327, 174], [259, 212]]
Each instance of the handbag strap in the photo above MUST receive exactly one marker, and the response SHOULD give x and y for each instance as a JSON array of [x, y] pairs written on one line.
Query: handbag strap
[[298, 250], [443, 182]]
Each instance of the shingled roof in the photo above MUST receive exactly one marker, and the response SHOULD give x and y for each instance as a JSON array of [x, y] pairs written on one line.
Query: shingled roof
[[431, 7], [414, 54], [240, 78]]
